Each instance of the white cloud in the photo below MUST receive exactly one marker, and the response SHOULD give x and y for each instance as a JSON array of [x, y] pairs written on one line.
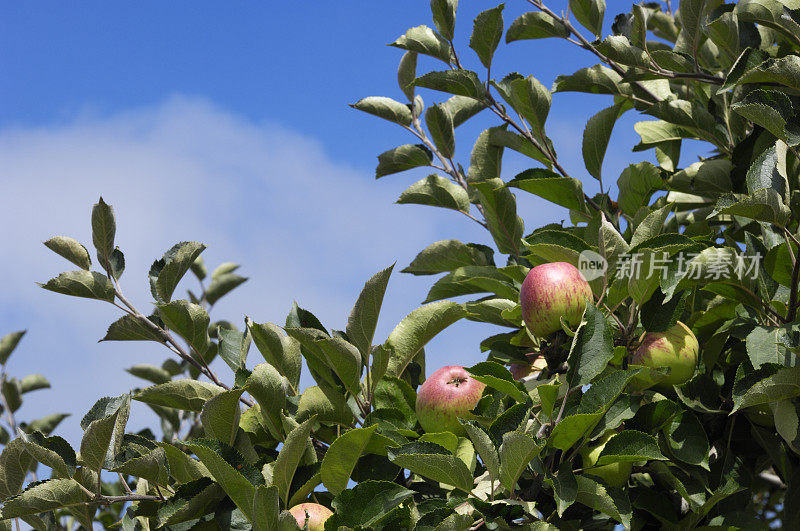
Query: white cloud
[[304, 225]]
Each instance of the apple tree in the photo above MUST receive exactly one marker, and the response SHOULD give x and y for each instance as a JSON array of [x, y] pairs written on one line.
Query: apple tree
[[665, 396]]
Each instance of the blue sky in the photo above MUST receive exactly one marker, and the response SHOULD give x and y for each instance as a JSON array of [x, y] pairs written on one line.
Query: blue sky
[[228, 123]]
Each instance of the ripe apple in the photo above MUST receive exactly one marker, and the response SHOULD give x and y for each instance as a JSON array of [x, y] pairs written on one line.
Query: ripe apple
[[551, 291], [522, 370], [313, 513], [449, 393], [677, 348], [615, 474]]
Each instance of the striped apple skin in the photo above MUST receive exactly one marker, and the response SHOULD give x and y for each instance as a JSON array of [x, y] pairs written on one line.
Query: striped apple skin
[[551, 291]]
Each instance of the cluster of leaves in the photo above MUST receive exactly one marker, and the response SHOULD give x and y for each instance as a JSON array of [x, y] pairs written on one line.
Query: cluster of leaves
[[720, 450]]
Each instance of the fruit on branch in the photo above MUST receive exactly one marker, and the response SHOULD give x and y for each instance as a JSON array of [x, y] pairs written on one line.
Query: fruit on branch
[[447, 395], [523, 370], [615, 474], [313, 513], [677, 348], [551, 291]]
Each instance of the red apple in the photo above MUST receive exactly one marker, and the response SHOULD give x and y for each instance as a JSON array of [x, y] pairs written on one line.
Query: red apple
[[312, 513], [522, 370], [677, 348], [447, 395], [551, 291]]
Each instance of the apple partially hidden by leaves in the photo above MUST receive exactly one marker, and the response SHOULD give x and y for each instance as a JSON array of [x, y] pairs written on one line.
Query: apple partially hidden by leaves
[[677, 348], [615, 474], [312, 514], [447, 395], [550, 292], [523, 370]]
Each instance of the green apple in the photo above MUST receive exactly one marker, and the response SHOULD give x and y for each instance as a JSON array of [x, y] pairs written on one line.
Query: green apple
[[677, 348], [550, 292], [615, 474], [312, 514]]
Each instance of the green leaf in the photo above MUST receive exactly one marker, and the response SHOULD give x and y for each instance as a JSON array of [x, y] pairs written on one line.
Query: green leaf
[[651, 226], [152, 466], [326, 404], [221, 285], [434, 462], [345, 360], [71, 249], [104, 229], [486, 157], [416, 329], [15, 461], [782, 385], [368, 503], [33, 382], [630, 446], [764, 173], [592, 347], [185, 394], [89, 284], [783, 70], [764, 205], [449, 255], [517, 450], [440, 125], [45, 496], [596, 136], [768, 345], [177, 262], [687, 439], [589, 13], [342, 456], [131, 328], [437, 191], [97, 440], [182, 467], [529, 98], [53, 452], [233, 347], [636, 184], [571, 429], [9, 342], [498, 377], [660, 316], [619, 49], [189, 502], [45, 424], [564, 191], [484, 446], [462, 108], [536, 25], [402, 158], [770, 109], [266, 386], [237, 477], [278, 349], [565, 487], [290, 456], [190, 321], [458, 82], [770, 13], [500, 208], [422, 39], [444, 16], [406, 73], [385, 108], [594, 495], [597, 79], [691, 14], [487, 31], [220, 416]]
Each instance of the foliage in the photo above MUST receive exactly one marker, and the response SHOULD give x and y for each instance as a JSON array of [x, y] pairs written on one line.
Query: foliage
[[720, 450]]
